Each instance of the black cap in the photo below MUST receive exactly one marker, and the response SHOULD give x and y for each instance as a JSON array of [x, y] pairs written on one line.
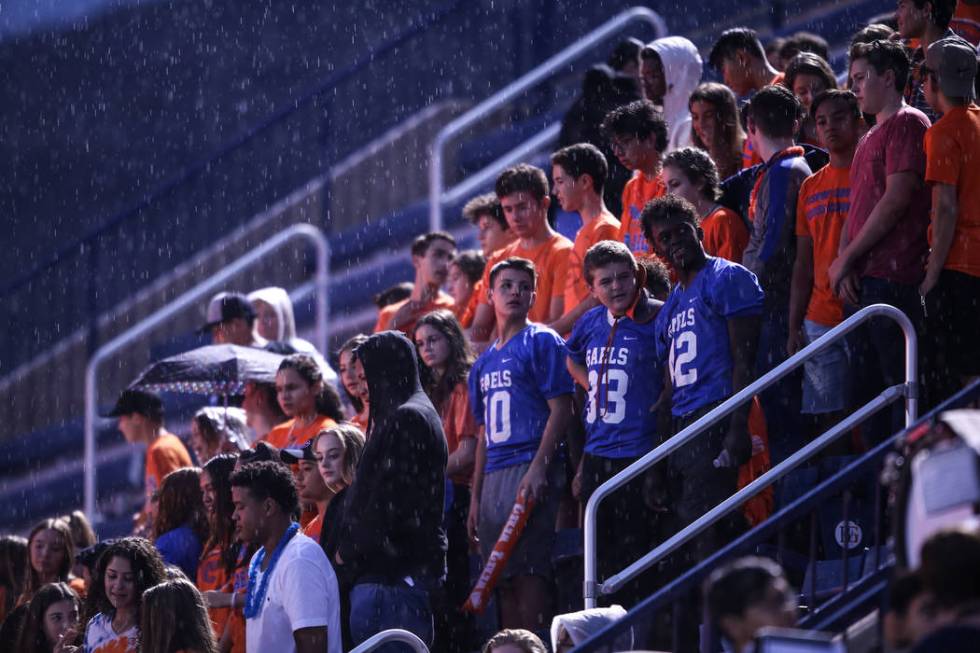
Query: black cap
[[227, 306], [295, 454], [262, 451], [138, 401], [90, 555]]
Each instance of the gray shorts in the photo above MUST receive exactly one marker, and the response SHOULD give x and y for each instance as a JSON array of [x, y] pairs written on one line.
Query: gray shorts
[[532, 554]]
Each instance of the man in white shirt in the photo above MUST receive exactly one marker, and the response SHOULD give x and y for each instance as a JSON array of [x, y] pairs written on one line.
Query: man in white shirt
[[293, 604]]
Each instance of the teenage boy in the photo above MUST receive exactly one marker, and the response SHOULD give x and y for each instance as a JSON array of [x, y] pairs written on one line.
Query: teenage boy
[[521, 394], [820, 215], [612, 354], [293, 603], [923, 22], [741, 60], [883, 246], [670, 69], [637, 134], [231, 321], [140, 416], [773, 118], [524, 198], [493, 233], [952, 283], [579, 173], [707, 332], [431, 255]]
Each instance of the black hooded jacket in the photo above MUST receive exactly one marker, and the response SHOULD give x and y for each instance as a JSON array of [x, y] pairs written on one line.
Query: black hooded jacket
[[392, 523]]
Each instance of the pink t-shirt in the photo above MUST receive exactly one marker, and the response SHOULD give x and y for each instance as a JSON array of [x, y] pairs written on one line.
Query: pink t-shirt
[[894, 146]]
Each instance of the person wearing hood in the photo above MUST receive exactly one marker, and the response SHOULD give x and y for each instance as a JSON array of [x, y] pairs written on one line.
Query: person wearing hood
[[572, 629], [670, 70], [275, 322], [391, 546]]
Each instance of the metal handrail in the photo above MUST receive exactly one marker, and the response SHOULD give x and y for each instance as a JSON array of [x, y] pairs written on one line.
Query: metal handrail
[[908, 389], [530, 79], [392, 635], [162, 315]]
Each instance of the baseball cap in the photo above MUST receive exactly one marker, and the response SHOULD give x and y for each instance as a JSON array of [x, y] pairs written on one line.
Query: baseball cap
[[227, 306], [954, 63], [90, 555], [137, 401], [293, 455]]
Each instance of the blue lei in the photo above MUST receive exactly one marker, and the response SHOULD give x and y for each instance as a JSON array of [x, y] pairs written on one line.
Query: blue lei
[[254, 599]]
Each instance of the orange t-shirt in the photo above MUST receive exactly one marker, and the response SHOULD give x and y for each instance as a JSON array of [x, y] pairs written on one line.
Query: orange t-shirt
[[966, 22], [820, 214], [312, 529], [164, 455], [725, 234], [458, 423], [211, 575], [441, 300], [465, 313], [290, 434], [953, 157], [638, 191], [550, 260], [605, 227], [359, 423]]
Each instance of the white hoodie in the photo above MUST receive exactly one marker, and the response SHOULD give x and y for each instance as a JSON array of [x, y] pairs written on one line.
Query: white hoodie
[[682, 70], [279, 300]]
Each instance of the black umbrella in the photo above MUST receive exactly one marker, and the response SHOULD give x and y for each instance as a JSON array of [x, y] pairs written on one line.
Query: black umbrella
[[212, 370]]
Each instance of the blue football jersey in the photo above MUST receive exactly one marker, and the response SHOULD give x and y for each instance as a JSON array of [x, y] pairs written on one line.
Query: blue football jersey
[[692, 332], [619, 420], [509, 392]]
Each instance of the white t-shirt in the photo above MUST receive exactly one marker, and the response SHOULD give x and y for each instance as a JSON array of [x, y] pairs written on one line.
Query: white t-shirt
[[302, 593], [99, 636]]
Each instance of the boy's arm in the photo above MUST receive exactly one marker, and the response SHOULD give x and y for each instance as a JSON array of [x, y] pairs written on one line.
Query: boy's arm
[[473, 519], [799, 293], [566, 322], [743, 333], [536, 478], [899, 189], [944, 208], [578, 371]]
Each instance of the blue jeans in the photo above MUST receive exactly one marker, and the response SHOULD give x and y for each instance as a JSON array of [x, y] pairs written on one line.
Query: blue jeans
[[375, 607]]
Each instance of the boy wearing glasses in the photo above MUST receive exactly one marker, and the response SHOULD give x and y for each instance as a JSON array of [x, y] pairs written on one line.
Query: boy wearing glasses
[[637, 133]]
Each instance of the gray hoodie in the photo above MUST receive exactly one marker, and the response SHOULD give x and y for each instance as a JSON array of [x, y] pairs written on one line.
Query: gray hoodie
[[682, 70]]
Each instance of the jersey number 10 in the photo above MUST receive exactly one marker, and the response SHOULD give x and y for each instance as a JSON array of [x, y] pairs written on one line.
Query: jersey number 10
[[498, 419]]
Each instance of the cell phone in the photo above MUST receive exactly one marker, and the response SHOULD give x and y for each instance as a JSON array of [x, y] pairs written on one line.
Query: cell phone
[[790, 640]]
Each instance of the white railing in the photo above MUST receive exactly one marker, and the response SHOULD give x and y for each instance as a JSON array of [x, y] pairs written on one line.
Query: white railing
[[393, 635], [532, 78], [908, 390], [207, 287]]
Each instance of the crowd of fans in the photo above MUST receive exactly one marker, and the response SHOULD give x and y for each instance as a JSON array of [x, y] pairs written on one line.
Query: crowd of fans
[[756, 214]]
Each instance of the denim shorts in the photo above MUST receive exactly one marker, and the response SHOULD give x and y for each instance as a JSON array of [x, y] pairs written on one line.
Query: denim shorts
[[826, 376]]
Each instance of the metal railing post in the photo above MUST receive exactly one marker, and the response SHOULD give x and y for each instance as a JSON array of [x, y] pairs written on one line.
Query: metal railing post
[[518, 86], [165, 313], [591, 588]]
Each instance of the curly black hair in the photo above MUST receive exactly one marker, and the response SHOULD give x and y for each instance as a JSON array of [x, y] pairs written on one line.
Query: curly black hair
[[268, 480], [148, 570]]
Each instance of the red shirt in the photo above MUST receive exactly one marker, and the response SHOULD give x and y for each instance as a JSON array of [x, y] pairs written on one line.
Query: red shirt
[[894, 146]]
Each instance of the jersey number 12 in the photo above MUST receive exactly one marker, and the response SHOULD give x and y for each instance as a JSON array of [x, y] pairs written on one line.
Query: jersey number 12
[[683, 351]]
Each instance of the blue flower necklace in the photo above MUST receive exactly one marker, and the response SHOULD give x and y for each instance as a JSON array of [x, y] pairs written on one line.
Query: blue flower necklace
[[253, 598]]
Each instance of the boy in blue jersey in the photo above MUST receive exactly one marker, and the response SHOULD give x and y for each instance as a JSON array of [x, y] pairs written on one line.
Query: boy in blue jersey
[[612, 353], [521, 394], [707, 333]]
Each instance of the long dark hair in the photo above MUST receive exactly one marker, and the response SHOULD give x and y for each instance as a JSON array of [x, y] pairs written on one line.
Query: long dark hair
[[175, 619], [181, 503], [32, 638], [460, 357], [327, 400], [13, 570], [219, 469], [725, 104], [32, 582], [349, 346], [148, 570]]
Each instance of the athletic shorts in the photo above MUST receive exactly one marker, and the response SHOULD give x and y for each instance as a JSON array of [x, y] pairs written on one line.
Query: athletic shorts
[[826, 376], [531, 555]]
